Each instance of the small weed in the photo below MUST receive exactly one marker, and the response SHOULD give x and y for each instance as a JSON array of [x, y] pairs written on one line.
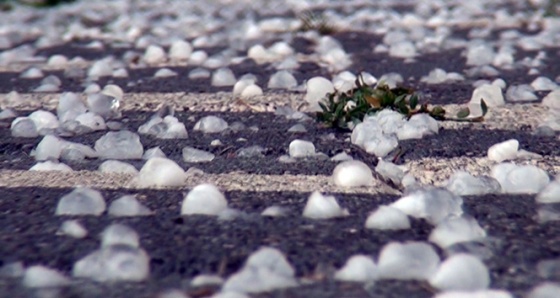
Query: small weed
[[314, 22], [339, 109]]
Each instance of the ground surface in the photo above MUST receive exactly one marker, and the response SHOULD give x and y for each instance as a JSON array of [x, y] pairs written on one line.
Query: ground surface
[[182, 247]]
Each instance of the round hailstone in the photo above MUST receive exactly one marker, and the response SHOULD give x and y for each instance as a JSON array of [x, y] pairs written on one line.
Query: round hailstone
[[545, 290], [211, 124], [274, 211], [323, 207], [49, 148], [506, 150], [114, 263], [388, 218], [317, 89], [552, 100], [492, 95], [223, 77], [251, 91], [69, 106], [115, 166], [120, 73], [550, 194], [72, 228], [380, 145], [475, 294], [403, 49], [59, 61], [44, 120], [241, 85], [359, 268], [165, 73], [521, 93], [180, 50], [51, 166], [154, 54], [118, 234], [352, 173], [392, 121], [23, 127], [119, 145], [337, 59], [390, 171], [81, 201], [260, 54], [161, 172], [455, 230], [204, 199], [198, 57], [516, 179], [461, 272], [266, 270], [128, 206], [199, 73], [46, 88], [101, 68], [206, 280], [301, 148], [404, 261], [480, 54], [544, 84], [104, 105], [433, 204], [92, 121], [463, 183], [43, 277], [282, 79], [194, 155]]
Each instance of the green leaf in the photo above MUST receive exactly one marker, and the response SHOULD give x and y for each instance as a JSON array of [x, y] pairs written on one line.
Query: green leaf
[[483, 106], [413, 102], [463, 113], [399, 99], [403, 109], [323, 107]]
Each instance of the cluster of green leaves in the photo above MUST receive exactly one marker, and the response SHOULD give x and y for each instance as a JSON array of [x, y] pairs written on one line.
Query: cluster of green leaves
[[7, 4], [341, 108], [315, 22]]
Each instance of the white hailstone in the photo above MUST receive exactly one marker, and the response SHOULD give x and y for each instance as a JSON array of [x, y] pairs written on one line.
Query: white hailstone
[[106, 106], [198, 57], [251, 91], [114, 263], [388, 218], [521, 93], [392, 79], [100, 68], [223, 77], [480, 54], [193, 155], [175, 129], [154, 54], [342, 156], [81, 201], [455, 230], [260, 54], [506, 150], [12, 269], [72, 228], [337, 58], [317, 88], [298, 128], [544, 84], [44, 120], [492, 95], [199, 73], [358, 268], [281, 49], [51, 166], [229, 295], [282, 79], [461, 272], [433, 204], [172, 293], [380, 145], [120, 73], [403, 49], [550, 194], [545, 290], [49, 148], [59, 61], [475, 294], [352, 173], [274, 211], [7, 114], [301, 148], [390, 171], [115, 166], [365, 131], [23, 127], [405, 261], [160, 172], [165, 73], [552, 100], [46, 88], [44, 277], [119, 145], [91, 120], [319, 206], [526, 179], [118, 234], [266, 270], [153, 152], [204, 199], [500, 83], [462, 183], [32, 73], [206, 280], [180, 50], [368, 78], [241, 85], [417, 127], [211, 124], [92, 88], [69, 107], [128, 205]]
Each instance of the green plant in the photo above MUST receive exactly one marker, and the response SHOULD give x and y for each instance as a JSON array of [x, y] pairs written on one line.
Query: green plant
[[341, 108], [314, 22]]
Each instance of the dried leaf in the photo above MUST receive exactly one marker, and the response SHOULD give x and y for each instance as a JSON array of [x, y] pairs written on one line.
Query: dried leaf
[[373, 101], [484, 107]]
